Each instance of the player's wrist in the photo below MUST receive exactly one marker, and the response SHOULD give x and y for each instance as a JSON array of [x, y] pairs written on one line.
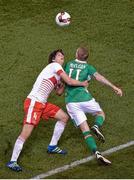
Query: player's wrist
[[84, 83], [114, 87]]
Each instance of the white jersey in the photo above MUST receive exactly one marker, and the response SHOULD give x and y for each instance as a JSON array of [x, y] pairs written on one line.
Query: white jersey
[[45, 82]]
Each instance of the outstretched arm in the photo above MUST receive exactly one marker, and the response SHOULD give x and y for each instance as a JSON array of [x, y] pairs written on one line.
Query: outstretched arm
[[103, 80]]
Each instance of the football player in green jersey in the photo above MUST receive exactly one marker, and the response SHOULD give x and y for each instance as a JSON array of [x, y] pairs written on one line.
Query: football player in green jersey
[[79, 100]]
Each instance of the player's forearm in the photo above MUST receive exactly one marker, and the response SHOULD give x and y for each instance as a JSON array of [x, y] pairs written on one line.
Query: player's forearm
[[103, 80], [72, 82], [106, 82]]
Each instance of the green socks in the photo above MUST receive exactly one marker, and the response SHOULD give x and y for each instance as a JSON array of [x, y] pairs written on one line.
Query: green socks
[[90, 141], [99, 120]]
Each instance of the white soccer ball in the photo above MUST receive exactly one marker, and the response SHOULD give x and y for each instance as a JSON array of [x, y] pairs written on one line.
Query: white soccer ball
[[63, 19]]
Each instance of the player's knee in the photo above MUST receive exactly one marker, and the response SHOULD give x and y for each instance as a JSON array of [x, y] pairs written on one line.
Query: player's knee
[[24, 135], [101, 113], [65, 118], [26, 131]]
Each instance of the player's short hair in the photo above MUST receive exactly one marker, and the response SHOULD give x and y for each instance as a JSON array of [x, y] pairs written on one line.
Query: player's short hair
[[82, 53], [52, 55]]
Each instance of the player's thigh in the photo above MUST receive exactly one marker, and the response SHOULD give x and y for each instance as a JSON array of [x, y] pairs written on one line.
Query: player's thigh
[[33, 111], [62, 116], [55, 112], [76, 113], [91, 107]]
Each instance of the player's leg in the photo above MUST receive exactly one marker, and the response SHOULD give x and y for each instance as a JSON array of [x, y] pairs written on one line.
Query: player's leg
[[99, 120], [91, 144], [75, 110], [89, 139], [26, 132], [94, 108], [62, 119], [55, 112], [33, 111]]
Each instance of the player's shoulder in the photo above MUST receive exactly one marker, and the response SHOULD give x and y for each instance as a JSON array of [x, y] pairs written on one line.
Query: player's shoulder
[[54, 65], [91, 69], [90, 65]]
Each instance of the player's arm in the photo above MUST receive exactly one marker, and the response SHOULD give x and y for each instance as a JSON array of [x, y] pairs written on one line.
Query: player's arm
[[72, 82], [60, 89], [105, 81], [67, 79]]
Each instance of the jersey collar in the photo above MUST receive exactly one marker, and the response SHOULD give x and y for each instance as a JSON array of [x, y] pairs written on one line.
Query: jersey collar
[[84, 62]]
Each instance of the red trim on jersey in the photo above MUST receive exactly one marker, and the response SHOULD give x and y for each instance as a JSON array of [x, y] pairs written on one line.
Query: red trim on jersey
[[53, 80], [59, 72], [46, 85]]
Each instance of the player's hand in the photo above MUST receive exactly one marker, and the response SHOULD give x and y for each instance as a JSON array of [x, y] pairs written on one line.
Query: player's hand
[[118, 91], [85, 83]]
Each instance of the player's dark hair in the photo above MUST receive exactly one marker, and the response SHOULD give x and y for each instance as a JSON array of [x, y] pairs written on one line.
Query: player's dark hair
[[52, 55], [82, 53]]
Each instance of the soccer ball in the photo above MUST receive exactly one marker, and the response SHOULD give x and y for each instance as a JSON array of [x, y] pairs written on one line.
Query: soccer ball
[[63, 19]]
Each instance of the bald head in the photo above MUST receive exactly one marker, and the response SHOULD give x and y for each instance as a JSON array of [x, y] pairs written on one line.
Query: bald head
[[82, 54]]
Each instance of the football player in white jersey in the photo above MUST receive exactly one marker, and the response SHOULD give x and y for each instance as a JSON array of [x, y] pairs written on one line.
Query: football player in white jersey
[[37, 107]]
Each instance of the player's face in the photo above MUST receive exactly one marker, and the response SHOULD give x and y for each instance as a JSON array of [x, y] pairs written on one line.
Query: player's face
[[59, 58]]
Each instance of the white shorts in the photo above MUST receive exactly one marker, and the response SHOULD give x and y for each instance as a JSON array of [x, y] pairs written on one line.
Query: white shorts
[[77, 110]]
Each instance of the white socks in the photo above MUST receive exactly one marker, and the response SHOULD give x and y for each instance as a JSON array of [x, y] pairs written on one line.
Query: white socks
[[17, 148], [58, 130]]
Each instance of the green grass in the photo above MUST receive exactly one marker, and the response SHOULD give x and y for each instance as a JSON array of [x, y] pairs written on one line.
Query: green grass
[[28, 34], [92, 170]]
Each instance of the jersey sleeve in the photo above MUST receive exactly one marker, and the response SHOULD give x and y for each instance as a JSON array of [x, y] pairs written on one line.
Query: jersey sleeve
[[58, 68], [91, 70]]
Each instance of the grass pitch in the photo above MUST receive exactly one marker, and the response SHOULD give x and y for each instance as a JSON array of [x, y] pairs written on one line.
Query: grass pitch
[[28, 33]]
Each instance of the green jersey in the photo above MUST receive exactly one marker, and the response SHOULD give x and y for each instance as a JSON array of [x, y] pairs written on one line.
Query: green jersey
[[81, 71]]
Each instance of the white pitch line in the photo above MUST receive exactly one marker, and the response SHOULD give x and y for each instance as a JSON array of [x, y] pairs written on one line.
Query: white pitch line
[[82, 161]]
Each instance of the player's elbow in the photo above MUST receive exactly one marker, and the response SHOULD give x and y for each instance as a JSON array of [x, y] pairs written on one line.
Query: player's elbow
[[98, 77]]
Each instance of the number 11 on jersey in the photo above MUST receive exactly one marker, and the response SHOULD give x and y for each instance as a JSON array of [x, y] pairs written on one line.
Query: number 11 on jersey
[[77, 73]]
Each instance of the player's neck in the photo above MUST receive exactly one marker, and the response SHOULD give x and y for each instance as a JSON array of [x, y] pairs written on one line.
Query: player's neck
[[77, 60]]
